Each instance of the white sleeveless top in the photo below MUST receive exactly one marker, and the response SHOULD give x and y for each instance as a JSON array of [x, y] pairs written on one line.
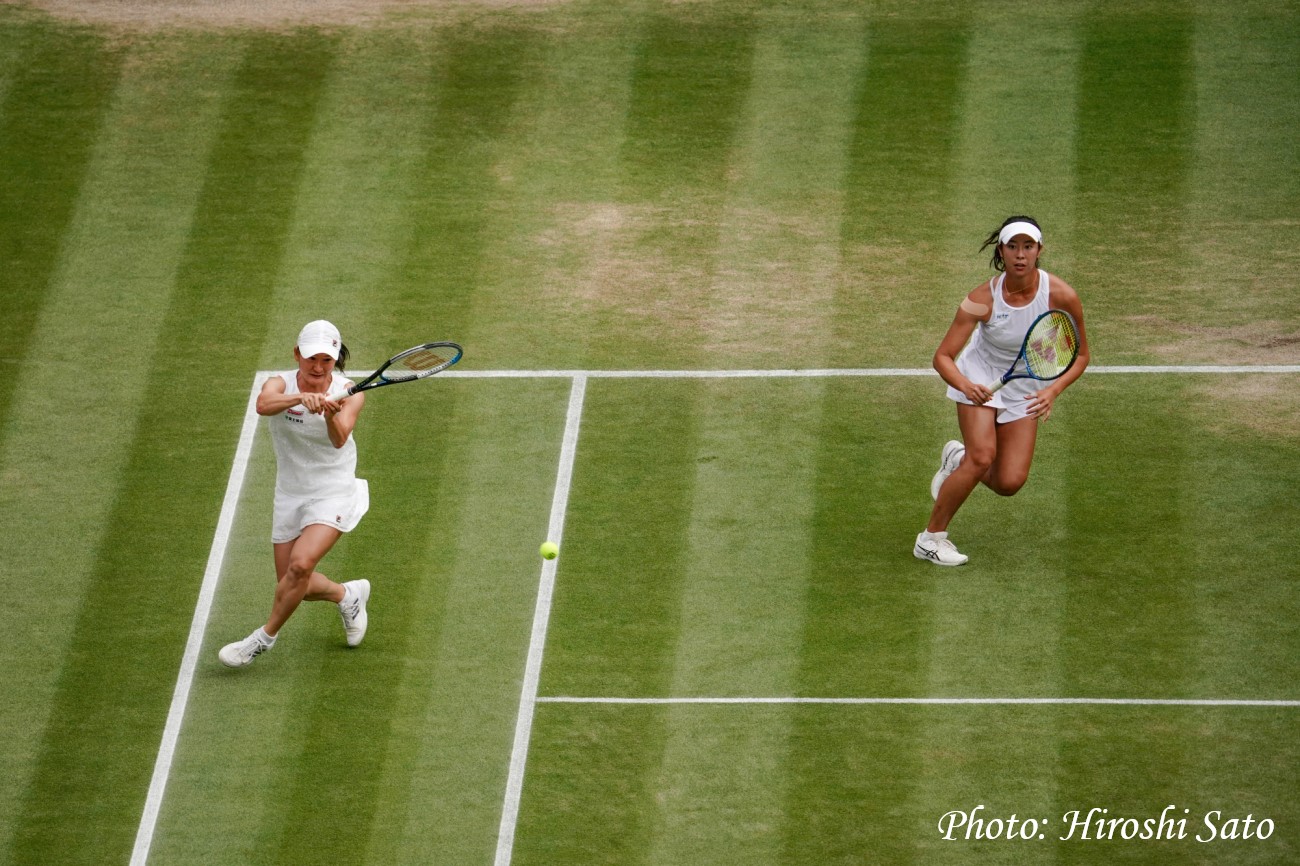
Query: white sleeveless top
[[308, 466], [996, 343]]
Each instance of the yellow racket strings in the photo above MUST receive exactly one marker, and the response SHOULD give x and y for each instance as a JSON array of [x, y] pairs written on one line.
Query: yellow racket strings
[[1051, 346]]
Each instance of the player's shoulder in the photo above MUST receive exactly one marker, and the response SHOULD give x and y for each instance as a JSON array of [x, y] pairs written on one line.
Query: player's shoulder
[[983, 293], [1060, 291]]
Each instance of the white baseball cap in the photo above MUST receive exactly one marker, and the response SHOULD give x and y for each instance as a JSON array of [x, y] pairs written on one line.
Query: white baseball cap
[[1010, 230], [319, 338]]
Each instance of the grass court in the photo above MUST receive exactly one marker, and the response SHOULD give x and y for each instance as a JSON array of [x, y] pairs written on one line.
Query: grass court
[[699, 255]]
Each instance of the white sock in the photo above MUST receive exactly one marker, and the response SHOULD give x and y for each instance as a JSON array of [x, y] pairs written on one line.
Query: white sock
[[263, 638], [348, 594], [927, 535]]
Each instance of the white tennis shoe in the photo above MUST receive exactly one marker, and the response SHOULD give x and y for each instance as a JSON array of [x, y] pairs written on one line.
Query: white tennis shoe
[[949, 460], [935, 547], [353, 610], [241, 653]]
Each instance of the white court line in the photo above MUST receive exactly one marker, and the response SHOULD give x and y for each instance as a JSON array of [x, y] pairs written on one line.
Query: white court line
[[846, 372], [541, 619], [1141, 702], [198, 626]]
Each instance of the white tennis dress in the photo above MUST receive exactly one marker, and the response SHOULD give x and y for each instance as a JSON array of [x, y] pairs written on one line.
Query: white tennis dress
[[994, 346], [314, 481]]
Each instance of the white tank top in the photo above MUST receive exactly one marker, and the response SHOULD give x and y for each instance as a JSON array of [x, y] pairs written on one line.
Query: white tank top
[[308, 466], [997, 342]]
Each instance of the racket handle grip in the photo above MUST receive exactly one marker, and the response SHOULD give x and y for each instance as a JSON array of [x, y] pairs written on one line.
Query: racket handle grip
[[997, 386]]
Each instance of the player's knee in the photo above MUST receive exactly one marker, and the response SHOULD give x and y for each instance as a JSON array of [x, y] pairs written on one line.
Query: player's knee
[[979, 458], [300, 569], [1009, 484]]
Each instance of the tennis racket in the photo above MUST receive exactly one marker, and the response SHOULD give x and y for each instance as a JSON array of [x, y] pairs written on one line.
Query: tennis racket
[[417, 362], [1050, 347]]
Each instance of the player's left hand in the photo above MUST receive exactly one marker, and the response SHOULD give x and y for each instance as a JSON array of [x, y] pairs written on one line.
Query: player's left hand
[[1040, 403]]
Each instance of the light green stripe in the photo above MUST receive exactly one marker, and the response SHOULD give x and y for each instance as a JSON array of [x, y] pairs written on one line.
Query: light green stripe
[[993, 636], [353, 206], [86, 370], [1015, 153], [1244, 200], [721, 788], [562, 265], [772, 292], [747, 568], [461, 691]]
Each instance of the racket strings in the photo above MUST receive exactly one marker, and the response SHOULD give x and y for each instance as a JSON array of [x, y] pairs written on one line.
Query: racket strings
[[426, 359], [1051, 347]]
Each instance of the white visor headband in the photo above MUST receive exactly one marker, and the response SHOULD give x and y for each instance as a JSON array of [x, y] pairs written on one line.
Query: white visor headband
[[1012, 229]]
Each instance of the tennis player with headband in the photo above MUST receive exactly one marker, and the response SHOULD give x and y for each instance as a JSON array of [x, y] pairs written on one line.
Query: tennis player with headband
[[317, 494], [998, 429]]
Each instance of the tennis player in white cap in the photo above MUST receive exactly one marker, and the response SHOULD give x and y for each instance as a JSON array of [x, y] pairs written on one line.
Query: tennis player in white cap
[[317, 494], [998, 430]]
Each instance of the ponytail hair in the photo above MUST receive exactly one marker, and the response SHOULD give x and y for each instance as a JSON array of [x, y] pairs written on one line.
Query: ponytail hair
[[994, 240], [343, 357]]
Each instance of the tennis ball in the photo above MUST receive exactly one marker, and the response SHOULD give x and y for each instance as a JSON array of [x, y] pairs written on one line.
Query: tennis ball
[[549, 550]]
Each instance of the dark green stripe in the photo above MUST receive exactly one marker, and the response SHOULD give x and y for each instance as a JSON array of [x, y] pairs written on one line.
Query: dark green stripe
[[866, 628], [614, 625], [899, 178], [1135, 144], [98, 748], [905, 129], [689, 85], [479, 75], [615, 619], [338, 758], [590, 796], [48, 126]]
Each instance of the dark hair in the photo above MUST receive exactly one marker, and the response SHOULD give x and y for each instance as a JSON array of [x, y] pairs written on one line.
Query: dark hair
[[994, 240], [343, 357]]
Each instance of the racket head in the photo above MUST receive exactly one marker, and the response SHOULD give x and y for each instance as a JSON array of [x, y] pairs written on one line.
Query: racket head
[[419, 362], [1051, 345]]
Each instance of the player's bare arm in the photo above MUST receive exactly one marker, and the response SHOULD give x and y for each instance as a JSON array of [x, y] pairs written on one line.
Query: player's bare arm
[[976, 308]]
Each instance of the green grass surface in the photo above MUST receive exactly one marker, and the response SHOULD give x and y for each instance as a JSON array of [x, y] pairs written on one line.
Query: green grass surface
[[646, 186]]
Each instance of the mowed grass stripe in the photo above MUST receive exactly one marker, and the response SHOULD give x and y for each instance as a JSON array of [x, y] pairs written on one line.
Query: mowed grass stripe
[[49, 122], [1246, 181], [141, 186], [1012, 594], [690, 81], [867, 618], [616, 612], [556, 274], [865, 632], [1133, 170], [898, 190], [362, 174], [111, 688], [478, 76], [747, 564], [1006, 129], [770, 300], [1244, 552], [503, 482]]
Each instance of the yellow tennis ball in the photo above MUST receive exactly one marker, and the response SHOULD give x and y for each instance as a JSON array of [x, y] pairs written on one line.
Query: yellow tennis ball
[[549, 550]]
